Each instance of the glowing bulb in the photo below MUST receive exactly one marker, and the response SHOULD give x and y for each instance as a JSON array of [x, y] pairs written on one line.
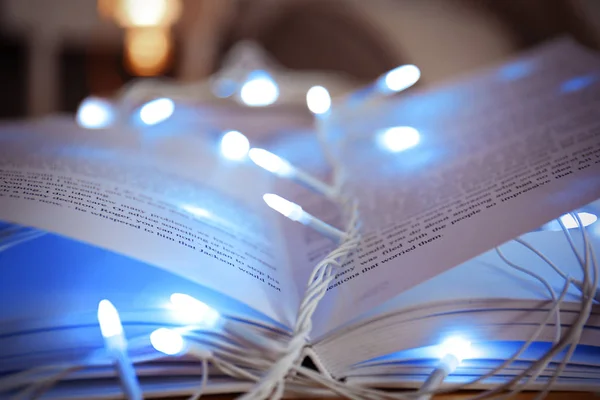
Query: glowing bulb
[[259, 90], [167, 341], [271, 162], [194, 309], [318, 100], [399, 79], [95, 113], [234, 145], [144, 13], [455, 346], [399, 138], [291, 210], [108, 317], [147, 50], [156, 111]]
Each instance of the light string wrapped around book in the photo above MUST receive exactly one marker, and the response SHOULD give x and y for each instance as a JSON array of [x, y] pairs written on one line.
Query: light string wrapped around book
[[589, 263], [518, 383], [152, 100], [276, 373]]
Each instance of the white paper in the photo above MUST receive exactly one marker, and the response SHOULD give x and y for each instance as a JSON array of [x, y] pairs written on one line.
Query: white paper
[[500, 154], [103, 191]]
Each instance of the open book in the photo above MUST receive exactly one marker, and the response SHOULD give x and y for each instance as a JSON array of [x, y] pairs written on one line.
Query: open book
[[136, 215]]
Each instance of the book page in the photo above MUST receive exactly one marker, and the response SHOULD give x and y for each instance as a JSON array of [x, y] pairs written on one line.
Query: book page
[[500, 154], [102, 188]]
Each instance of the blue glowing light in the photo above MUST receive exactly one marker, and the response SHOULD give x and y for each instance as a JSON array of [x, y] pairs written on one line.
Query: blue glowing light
[[516, 70], [167, 341], [578, 83], [291, 210], [398, 79], [318, 100], [259, 90], [271, 162], [398, 138], [457, 347], [194, 311], [108, 318], [95, 113], [156, 111], [234, 145]]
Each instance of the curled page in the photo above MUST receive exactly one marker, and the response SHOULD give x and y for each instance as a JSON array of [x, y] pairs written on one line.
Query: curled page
[[500, 154], [101, 191]]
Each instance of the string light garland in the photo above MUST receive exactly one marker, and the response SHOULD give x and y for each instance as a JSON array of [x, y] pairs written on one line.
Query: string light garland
[[274, 365], [284, 169], [233, 359]]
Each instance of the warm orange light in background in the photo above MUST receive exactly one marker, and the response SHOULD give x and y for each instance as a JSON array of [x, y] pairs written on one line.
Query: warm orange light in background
[[147, 38], [147, 50], [147, 13]]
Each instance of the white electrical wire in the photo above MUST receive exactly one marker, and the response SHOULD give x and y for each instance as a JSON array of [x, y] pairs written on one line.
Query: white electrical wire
[[540, 279], [573, 333], [588, 247], [589, 254], [203, 382], [272, 384], [247, 356], [572, 336]]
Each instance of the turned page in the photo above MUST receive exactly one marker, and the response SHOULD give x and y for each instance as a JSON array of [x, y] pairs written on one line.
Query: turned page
[[168, 201], [500, 154]]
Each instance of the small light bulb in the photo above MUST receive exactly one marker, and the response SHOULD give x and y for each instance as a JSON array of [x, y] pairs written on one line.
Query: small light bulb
[[318, 100], [291, 210], [156, 111], [399, 138], [259, 90], [398, 79], [167, 341], [95, 113], [195, 310], [271, 162], [456, 346], [108, 317], [234, 145]]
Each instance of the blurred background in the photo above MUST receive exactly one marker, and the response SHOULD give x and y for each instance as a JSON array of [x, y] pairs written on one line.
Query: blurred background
[[54, 53]]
